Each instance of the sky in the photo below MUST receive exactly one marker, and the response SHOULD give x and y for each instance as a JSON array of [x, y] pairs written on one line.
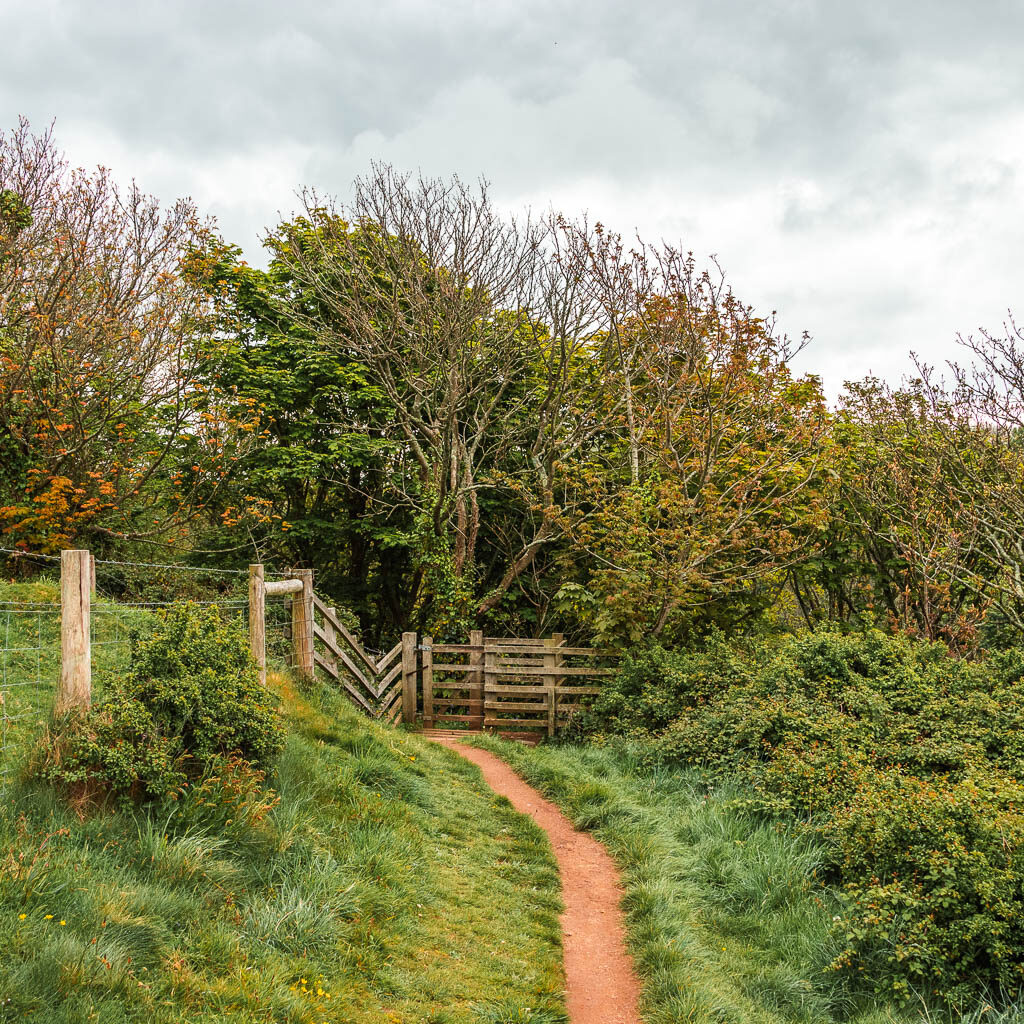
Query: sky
[[856, 166]]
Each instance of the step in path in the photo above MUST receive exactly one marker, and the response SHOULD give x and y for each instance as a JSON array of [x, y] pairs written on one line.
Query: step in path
[[600, 982]]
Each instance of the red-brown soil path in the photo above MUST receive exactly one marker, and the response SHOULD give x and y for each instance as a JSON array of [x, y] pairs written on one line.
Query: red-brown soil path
[[601, 985]]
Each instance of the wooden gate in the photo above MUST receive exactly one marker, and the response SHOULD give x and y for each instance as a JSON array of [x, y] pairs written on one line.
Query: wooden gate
[[505, 684], [509, 684]]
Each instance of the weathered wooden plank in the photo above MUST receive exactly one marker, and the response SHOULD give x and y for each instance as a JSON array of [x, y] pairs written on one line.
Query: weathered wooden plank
[[563, 691], [393, 674], [563, 670], [387, 706], [396, 712], [357, 696], [350, 689], [257, 620], [329, 667], [428, 681], [387, 696], [505, 641], [515, 690], [574, 652], [393, 655], [540, 706], [75, 690], [454, 648], [551, 661], [349, 638], [445, 666], [409, 678], [342, 655], [534, 723], [445, 702], [476, 675], [302, 623], [275, 588]]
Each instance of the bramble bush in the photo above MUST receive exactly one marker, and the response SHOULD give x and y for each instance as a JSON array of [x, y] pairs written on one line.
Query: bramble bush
[[190, 708], [906, 761]]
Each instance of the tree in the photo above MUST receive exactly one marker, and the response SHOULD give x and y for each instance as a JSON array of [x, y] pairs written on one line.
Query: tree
[[707, 477], [108, 429], [315, 491], [914, 545], [979, 422], [468, 328]]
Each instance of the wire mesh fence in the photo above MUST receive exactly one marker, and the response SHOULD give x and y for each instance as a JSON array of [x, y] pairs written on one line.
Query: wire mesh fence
[[29, 670], [280, 633], [130, 599]]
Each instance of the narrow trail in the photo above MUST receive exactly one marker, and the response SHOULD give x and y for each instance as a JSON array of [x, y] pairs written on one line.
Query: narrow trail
[[601, 985]]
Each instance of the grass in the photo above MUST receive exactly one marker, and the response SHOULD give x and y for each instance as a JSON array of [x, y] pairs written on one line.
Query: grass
[[30, 655], [726, 918], [386, 884]]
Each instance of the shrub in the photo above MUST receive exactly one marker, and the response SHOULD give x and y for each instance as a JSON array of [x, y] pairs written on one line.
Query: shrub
[[907, 761], [653, 685], [934, 875], [115, 749], [195, 675], [191, 703]]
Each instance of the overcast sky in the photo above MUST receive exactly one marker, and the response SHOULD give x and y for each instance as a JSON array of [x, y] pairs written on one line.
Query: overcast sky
[[857, 166]]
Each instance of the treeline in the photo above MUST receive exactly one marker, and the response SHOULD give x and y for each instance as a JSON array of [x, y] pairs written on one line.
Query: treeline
[[456, 417]]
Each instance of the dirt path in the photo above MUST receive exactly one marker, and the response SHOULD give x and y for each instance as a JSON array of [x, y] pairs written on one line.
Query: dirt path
[[601, 986]]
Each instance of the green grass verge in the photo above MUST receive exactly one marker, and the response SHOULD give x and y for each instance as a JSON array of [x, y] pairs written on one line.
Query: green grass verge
[[388, 884], [726, 918]]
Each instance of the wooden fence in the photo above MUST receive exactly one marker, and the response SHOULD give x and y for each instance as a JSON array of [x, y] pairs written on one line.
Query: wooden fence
[[507, 684]]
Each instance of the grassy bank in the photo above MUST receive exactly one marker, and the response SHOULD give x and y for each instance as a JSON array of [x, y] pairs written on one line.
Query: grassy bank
[[727, 919], [385, 884]]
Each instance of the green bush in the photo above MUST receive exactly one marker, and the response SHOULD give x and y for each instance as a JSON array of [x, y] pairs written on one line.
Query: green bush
[[115, 749], [195, 675], [934, 883], [191, 703], [907, 761], [654, 684]]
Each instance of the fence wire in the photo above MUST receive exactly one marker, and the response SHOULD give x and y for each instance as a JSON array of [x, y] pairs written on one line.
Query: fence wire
[[29, 670], [130, 598]]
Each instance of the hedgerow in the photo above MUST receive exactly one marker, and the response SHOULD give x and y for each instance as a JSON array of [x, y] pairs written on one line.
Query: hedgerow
[[906, 761]]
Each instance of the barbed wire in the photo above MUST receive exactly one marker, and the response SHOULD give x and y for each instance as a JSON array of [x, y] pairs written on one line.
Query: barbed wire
[[174, 566]]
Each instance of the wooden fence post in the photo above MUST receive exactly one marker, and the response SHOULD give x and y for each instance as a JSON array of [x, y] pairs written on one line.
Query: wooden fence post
[[557, 639], [257, 621], [75, 692], [302, 623], [92, 574], [476, 677], [428, 682], [490, 679], [409, 678], [549, 681]]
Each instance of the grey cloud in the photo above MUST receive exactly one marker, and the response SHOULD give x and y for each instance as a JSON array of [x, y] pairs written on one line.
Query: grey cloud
[[856, 165]]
